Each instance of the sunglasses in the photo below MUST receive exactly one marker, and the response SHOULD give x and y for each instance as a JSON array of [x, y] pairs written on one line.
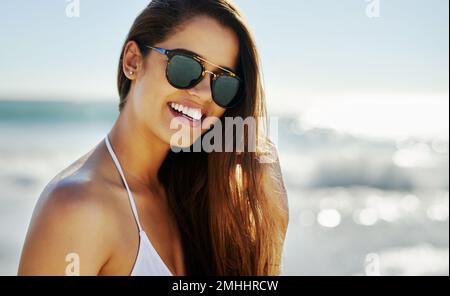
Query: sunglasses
[[185, 70]]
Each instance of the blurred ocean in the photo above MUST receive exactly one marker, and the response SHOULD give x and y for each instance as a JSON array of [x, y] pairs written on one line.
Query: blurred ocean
[[358, 205]]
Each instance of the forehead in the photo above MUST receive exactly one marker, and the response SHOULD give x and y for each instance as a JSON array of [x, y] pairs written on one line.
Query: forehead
[[207, 38]]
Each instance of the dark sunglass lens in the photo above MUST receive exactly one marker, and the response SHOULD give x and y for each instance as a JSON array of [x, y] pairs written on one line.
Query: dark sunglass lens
[[183, 71], [225, 89]]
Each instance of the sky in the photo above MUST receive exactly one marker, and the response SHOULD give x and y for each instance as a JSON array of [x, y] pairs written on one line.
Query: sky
[[311, 50]]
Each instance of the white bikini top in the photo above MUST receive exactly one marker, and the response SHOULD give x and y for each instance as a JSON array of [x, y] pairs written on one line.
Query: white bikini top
[[148, 262]]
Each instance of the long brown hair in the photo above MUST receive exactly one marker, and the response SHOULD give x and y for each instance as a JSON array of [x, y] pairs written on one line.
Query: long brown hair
[[228, 223]]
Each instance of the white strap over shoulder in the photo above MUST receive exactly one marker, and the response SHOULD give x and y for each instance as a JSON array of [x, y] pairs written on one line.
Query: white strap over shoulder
[[119, 168]]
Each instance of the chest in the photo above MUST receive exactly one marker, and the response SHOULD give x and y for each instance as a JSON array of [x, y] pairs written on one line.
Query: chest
[[161, 229]]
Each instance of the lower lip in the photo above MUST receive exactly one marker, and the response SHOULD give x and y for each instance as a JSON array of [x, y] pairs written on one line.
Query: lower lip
[[186, 119]]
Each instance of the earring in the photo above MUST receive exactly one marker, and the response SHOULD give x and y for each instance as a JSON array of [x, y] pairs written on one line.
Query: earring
[[131, 72]]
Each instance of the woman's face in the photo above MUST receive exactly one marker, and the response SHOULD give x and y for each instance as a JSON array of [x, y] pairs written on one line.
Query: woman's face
[[151, 94]]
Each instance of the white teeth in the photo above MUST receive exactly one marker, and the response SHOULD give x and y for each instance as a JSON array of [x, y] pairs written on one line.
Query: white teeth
[[195, 114]]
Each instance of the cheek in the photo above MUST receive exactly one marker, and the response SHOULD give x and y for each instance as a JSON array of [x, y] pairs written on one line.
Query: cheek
[[150, 93], [218, 111], [144, 97], [152, 86]]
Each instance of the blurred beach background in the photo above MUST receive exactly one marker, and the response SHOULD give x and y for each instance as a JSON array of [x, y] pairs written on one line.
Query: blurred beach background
[[358, 97]]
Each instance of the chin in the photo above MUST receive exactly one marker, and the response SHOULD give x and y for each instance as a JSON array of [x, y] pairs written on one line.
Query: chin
[[182, 144], [184, 138]]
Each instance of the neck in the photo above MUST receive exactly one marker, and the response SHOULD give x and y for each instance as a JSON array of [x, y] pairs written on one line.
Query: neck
[[140, 152]]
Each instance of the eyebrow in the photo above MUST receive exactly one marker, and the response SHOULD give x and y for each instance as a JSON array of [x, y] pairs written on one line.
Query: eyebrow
[[202, 58]]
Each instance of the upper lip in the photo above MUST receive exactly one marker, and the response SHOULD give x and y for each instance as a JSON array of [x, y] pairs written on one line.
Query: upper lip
[[190, 104]]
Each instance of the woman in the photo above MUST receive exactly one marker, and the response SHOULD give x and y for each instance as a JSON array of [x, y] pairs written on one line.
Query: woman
[[135, 206]]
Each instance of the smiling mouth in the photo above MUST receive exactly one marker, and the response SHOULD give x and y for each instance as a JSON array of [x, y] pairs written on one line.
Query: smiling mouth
[[192, 114]]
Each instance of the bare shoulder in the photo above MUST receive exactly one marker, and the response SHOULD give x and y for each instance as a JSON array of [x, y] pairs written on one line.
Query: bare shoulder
[[70, 220]]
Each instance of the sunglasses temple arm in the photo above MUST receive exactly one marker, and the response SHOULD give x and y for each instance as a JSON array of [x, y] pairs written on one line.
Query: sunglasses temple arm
[[158, 49]]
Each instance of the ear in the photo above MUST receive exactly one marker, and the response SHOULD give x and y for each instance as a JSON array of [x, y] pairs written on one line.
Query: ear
[[132, 60]]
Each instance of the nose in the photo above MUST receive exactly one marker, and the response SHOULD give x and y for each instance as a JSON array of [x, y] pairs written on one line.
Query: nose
[[210, 73], [203, 89]]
